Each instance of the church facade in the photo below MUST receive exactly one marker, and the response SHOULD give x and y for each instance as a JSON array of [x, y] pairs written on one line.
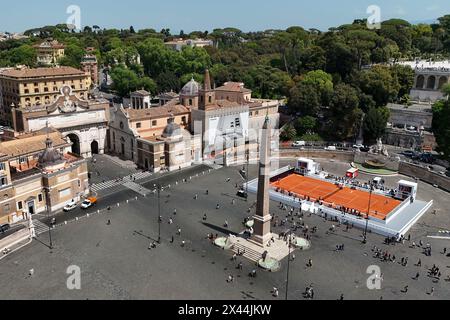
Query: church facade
[[82, 122]]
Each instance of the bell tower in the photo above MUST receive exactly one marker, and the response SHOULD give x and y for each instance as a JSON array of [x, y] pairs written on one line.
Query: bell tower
[[206, 94]]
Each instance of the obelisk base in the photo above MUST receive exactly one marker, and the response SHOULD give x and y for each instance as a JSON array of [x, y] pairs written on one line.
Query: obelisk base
[[261, 230]]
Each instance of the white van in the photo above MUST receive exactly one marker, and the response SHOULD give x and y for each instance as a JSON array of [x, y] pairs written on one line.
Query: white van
[[331, 148], [299, 144]]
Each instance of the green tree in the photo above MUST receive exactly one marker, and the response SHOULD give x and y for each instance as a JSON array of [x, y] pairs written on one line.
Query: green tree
[[24, 54], [304, 100], [344, 113], [441, 120], [305, 125], [374, 125], [167, 81], [157, 58], [72, 57], [288, 133], [379, 83]]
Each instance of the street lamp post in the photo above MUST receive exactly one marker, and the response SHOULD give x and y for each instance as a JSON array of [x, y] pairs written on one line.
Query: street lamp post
[[367, 216], [48, 205], [159, 212], [247, 173], [289, 264]]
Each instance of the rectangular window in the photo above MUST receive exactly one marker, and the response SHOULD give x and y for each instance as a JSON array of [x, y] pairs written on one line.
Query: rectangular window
[[6, 208], [65, 193], [40, 198], [20, 205], [2, 166], [154, 123], [22, 160], [138, 125], [3, 181], [238, 122]]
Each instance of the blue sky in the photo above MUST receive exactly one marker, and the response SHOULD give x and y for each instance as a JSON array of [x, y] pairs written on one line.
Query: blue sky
[[190, 15]]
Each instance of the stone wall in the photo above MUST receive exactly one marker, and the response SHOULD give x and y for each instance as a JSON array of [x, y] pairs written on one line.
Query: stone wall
[[344, 156], [412, 170]]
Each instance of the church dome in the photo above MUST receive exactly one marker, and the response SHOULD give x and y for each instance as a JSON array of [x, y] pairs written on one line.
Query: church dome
[[172, 130], [50, 156], [190, 89]]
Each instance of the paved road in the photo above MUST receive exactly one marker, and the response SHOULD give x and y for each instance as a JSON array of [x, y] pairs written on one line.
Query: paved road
[[116, 263]]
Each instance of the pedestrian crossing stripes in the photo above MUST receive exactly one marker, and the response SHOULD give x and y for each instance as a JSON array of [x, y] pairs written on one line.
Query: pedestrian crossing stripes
[[137, 188], [119, 182], [39, 227]]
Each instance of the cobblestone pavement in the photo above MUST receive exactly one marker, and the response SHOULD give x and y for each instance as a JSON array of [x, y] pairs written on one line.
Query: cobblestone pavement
[[116, 262]]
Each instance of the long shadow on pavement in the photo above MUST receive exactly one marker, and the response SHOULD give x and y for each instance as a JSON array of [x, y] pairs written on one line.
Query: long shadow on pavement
[[220, 229]]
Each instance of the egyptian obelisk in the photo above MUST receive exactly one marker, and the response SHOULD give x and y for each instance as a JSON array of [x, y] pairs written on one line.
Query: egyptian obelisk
[[262, 228]]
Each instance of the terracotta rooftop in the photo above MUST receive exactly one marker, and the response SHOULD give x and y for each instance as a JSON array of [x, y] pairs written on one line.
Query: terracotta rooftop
[[157, 112], [41, 72], [31, 143], [233, 87], [221, 104], [141, 93], [50, 44]]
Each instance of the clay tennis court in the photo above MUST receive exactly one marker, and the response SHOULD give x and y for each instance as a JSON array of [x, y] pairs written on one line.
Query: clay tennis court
[[330, 193]]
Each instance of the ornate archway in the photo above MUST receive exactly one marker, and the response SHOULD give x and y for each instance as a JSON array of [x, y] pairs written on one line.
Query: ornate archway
[[442, 81], [420, 82], [94, 147], [431, 83], [75, 140]]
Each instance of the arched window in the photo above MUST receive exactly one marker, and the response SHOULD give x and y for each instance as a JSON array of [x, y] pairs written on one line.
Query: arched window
[[442, 81], [431, 82], [420, 82]]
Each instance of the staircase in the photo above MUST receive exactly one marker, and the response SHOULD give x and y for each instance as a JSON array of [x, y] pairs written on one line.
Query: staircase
[[249, 254]]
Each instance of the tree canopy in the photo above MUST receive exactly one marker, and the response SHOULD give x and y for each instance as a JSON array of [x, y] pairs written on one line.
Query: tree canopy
[[328, 78]]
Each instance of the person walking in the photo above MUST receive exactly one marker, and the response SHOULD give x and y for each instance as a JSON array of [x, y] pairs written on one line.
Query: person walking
[[432, 291], [205, 217], [275, 292]]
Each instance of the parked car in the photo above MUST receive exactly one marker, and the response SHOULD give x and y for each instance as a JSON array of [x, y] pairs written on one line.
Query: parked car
[[241, 193], [4, 228], [427, 158], [70, 206], [89, 202], [358, 146], [331, 148], [364, 149], [299, 144], [408, 153]]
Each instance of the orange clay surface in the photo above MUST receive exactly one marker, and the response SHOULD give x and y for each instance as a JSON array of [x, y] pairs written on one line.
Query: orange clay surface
[[330, 194]]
